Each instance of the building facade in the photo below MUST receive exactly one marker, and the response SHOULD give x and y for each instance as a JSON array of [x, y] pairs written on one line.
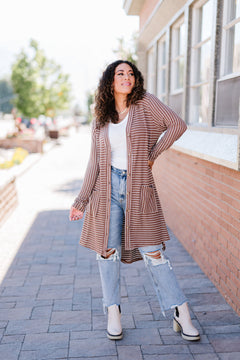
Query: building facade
[[189, 54]]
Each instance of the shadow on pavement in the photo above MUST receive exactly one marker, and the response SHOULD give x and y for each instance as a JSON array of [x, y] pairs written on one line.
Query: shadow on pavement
[[72, 187], [50, 303]]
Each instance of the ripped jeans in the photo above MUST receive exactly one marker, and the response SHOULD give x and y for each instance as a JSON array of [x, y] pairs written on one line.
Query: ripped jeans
[[161, 273]]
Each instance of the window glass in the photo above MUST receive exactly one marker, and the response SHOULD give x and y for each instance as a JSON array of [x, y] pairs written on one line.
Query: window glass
[[162, 70], [179, 73], [177, 56], [199, 104], [201, 62], [151, 73], [233, 10], [228, 88], [205, 61], [237, 4], [163, 81], [231, 33], [182, 39], [233, 49], [163, 53], [204, 103], [206, 20], [236, 49]]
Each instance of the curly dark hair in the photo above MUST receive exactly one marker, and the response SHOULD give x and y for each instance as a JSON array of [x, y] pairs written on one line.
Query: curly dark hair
[[104, 98]]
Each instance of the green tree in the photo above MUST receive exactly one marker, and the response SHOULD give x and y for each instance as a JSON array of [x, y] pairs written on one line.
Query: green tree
[[6, 96], [90, 104], [38, 82], [127, 50]]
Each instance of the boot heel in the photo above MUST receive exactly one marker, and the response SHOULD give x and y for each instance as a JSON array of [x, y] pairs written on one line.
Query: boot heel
[[176, 326]]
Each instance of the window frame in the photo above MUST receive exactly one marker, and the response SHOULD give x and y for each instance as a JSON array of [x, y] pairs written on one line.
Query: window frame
[[176, 57], [226, 25], [151, 75], [194, 83], [161, 67]]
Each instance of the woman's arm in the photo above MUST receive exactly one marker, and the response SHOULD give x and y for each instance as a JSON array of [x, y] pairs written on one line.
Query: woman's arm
[[167, 120], [91, 175]]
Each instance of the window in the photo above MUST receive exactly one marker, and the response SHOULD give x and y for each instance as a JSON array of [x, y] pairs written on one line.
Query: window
[[178, 49], [231, 38], [228, 86], [177, 55], [162, 69], [200, 61], [151, 72]]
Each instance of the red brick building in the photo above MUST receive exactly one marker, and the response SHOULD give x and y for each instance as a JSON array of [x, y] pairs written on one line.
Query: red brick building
[[189, 54]]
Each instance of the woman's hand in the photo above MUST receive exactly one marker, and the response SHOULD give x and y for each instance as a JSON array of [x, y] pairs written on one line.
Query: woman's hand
[[75, 214], [150, 164]]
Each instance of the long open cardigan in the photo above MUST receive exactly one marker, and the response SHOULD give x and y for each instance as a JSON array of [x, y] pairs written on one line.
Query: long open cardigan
[[144, 223]]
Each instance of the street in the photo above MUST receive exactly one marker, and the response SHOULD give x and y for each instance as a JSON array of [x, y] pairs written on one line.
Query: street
[[50, 294]]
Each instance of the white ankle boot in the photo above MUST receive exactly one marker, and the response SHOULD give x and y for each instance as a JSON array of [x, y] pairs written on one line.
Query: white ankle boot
[[182, 322], [114, 327]]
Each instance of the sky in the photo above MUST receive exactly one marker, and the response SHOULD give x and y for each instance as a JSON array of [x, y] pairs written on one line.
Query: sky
[[80, 35]]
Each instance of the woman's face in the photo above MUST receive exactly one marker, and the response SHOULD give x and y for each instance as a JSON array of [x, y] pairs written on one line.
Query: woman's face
[[124, 79]]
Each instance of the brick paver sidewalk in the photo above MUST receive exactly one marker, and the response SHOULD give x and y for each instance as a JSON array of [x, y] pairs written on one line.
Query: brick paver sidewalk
[[50, 295]]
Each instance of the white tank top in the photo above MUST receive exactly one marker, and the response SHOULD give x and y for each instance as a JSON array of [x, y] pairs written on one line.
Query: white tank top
[[118, 141]]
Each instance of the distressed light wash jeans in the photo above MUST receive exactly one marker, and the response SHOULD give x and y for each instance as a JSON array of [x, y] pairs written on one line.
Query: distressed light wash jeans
[[161, 273]]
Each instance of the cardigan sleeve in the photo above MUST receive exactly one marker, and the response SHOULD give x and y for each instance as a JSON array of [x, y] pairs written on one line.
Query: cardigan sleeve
[[91, 174], [166, 120]]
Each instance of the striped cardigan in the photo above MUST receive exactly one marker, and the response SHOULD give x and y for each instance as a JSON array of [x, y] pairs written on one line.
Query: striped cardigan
[[144, 223]]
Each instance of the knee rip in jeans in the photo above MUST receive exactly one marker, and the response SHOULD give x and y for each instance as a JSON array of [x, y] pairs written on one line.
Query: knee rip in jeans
[[156, 258], [111, 254]]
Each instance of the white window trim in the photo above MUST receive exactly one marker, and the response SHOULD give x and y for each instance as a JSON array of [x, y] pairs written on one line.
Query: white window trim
[[161, 66], [199, 4], [231, 23], [151, 74], [229, 76], [177, 91], [196, 44], [178, 22], [219, 148], [175, 28]]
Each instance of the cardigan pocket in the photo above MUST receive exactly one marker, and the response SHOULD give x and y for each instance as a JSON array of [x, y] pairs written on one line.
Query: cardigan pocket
[[148, 201], [94, 203]]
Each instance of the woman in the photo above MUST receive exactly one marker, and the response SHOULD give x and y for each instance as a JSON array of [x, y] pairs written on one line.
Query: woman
[[124, 220]]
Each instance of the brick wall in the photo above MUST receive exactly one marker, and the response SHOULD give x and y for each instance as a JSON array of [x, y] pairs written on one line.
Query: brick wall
[[8, 199], [201, 203]]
